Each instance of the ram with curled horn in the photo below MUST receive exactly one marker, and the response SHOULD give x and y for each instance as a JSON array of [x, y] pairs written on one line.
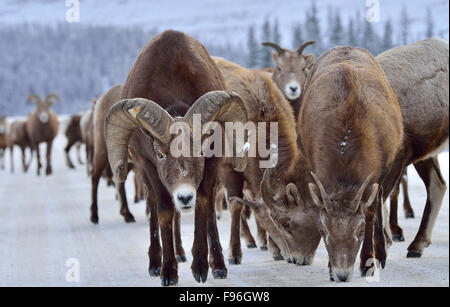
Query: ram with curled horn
[[292, 67], [173, 80], [42, 127]]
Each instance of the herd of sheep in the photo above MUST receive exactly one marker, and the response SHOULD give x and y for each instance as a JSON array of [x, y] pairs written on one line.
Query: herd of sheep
[[349, 124]]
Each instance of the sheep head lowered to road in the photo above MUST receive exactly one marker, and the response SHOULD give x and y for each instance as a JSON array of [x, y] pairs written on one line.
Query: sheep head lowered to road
[[175, 78]]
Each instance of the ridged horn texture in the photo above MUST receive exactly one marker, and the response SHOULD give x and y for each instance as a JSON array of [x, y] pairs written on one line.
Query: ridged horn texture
[[323, 194], [125, 116], [274, 46], [129, 114], [222, 106], [304, 45]]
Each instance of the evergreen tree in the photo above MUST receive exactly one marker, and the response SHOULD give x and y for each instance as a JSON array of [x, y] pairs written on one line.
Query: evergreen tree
[[297, 38], [370, 40], [351, 36], [266, 53], [276, 32], [430, 24], [387, 37], [404, 26], [252, 45], [312, 28], [337, 35]]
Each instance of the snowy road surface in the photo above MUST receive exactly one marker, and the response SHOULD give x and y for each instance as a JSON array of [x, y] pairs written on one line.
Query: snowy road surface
[[45, 221]]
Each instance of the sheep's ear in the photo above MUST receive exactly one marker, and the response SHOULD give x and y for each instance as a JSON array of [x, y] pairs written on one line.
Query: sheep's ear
[[292, 194], [275, 56], [309, 60]]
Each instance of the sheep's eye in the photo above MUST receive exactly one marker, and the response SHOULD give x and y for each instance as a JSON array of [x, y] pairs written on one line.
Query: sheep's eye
[[160, 155], [286, 225], [278, 68]]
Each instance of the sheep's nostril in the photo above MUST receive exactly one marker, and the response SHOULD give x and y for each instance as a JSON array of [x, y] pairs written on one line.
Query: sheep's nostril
[[185, 199], [293, 88]]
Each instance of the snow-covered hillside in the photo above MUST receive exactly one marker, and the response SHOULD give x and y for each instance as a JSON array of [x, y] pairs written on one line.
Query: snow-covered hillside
[[220, 21]]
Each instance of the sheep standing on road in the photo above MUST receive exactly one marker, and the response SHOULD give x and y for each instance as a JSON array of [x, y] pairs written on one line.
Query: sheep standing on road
[[3, 141], [42, 127], [18, 135]]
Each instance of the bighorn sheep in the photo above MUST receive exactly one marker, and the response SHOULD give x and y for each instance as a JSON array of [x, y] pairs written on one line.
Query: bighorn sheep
[[3, 140], [100, 163], [42, 126], [425, 135], [87, 134], [175, 79], [73, 134], [350, 129], [291, 70], [18, 135], [419, 76], [264, 103]]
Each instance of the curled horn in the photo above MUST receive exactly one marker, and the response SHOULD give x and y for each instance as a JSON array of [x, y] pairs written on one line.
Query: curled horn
[[323, 194], [222, 106], [304, 45], [52, 96], [35, 98], [123, 118], [356, 201], [274, 46]]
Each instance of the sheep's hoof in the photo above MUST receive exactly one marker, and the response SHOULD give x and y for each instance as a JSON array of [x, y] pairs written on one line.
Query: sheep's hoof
[[153, 272], [220, 273], [234, 261], [94, 219], [181, 258], [367, 271], [251, 245], [278, 257], [48, 170], [263, 247], [129, 218], [409, 215], [398, 238], [414, 254], [169, 281]]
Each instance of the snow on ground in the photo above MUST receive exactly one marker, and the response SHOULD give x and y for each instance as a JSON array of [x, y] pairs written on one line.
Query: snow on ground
[[44, 221]]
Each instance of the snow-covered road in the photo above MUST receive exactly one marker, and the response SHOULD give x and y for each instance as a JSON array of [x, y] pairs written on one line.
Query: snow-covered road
[[44, 221]]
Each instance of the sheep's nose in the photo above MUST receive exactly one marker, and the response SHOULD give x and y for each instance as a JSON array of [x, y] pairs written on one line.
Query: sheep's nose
[[185, 198], [293, 88]]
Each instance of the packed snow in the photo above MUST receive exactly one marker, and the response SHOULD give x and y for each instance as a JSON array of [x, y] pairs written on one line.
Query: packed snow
[[45, 230]]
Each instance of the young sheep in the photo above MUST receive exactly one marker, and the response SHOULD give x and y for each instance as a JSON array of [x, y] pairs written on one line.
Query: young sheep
[[42, 127]]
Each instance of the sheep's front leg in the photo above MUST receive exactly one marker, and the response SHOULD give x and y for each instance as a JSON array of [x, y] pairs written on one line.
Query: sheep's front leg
[[48, 170], [38, 157], [199, 265], [169, 270]]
